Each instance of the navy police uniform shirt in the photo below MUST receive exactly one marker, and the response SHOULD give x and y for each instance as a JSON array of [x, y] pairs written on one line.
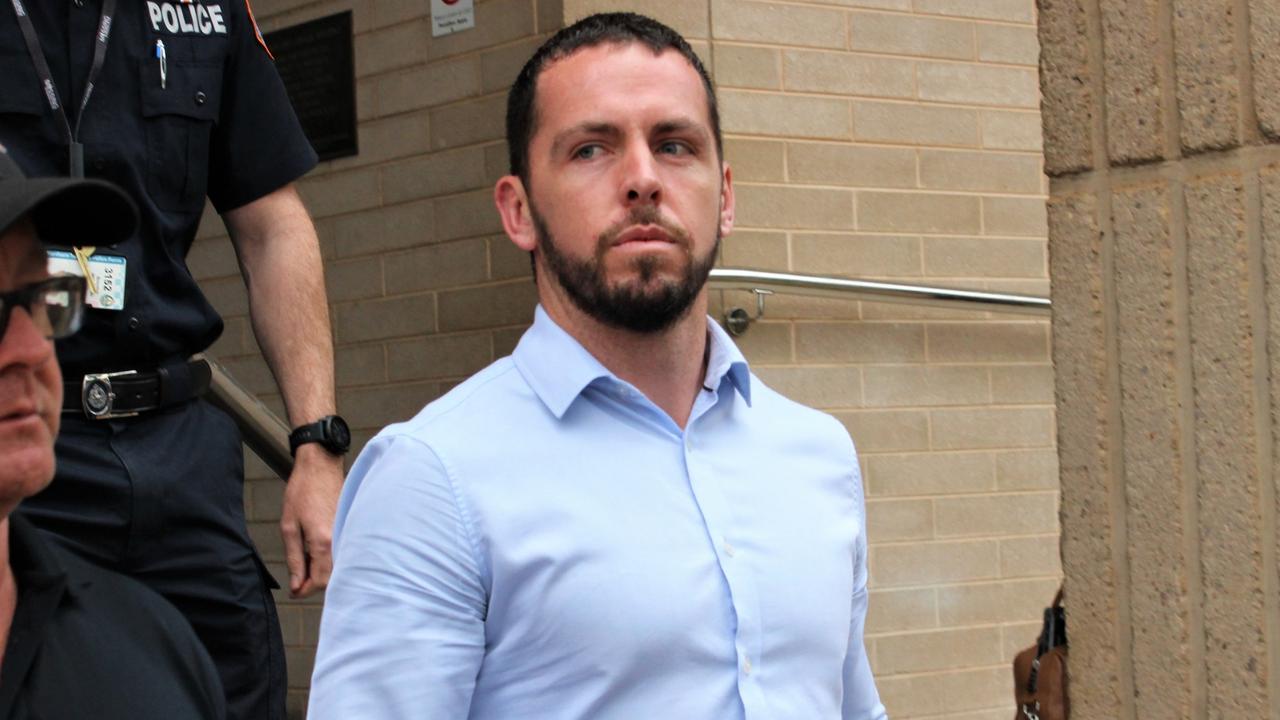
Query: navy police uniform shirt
[[218, 124]]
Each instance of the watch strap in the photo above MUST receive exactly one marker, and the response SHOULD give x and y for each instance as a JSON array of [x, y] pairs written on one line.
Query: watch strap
[[303, 434], [330, 431]]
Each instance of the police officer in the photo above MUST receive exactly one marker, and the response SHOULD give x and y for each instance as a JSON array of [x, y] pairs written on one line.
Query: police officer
[[178, 101]]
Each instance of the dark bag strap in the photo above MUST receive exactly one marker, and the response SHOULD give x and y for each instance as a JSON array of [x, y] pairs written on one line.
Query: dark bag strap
[[1053, 633]]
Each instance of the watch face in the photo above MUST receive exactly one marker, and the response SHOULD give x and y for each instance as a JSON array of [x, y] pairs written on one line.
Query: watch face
[[339, 433]]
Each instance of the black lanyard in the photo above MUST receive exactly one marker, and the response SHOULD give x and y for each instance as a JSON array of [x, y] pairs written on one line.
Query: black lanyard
[[75, 148]]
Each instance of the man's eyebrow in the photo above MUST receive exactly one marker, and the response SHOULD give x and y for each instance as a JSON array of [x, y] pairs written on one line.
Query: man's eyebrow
[[680, 125], [589, 127]]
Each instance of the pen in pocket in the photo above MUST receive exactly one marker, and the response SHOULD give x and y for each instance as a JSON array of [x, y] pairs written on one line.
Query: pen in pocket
[[164, 63]]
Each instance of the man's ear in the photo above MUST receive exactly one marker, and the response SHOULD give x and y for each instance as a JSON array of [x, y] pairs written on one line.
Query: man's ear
[[517, 217], [726, 201]]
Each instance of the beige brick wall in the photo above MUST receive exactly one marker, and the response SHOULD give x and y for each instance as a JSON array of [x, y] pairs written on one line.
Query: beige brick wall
[[901, 140], [888, 139]]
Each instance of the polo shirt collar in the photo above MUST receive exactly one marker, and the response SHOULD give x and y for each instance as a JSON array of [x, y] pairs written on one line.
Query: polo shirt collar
[[33, 562], [42, 585], [558, 368]]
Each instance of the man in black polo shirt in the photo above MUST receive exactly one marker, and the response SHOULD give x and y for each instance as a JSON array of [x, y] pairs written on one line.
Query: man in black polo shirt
[[176, 102], [77, 641]]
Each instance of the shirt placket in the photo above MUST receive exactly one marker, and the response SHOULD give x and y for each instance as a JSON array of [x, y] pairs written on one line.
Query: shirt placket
[[735, 562]]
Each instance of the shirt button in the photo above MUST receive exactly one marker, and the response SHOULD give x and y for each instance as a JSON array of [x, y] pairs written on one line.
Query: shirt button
[[199, 99], [746, 665], [134, 323], [728, 549]]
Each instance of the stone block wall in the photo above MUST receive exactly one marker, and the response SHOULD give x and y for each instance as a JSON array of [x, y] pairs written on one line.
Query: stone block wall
[[1164, 217], [885, 139]]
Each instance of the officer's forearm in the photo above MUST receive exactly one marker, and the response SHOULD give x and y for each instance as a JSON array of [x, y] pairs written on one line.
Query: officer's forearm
[[279, 257]]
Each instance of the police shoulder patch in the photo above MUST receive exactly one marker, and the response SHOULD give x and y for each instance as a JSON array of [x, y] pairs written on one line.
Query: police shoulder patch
[[257, 31]]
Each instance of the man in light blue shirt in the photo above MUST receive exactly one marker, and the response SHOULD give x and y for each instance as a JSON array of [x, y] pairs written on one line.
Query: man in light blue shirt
[[619, 520]]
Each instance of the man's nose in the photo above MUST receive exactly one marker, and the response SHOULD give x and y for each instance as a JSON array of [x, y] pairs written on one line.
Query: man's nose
[[23, 341], [641, 184]]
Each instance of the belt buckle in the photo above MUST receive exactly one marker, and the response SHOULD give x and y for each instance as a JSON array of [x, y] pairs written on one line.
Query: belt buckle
[[98, 399]]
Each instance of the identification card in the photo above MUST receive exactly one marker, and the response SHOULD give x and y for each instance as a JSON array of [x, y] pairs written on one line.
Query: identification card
[[106, 291]]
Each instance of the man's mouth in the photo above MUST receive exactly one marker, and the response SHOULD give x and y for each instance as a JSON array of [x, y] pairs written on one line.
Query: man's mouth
[[18, 411], [644, 234]]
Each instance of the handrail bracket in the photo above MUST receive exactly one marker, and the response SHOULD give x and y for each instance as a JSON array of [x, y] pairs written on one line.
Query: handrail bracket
[[737, 320]]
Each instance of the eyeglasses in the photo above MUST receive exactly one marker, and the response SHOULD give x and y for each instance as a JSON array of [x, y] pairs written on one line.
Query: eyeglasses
[[56, 305]]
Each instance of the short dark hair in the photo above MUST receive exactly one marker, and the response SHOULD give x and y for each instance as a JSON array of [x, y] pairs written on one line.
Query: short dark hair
[[620, 28]]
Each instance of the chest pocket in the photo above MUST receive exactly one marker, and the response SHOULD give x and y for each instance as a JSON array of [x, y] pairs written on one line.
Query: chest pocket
[[179, 120], [19, 87]]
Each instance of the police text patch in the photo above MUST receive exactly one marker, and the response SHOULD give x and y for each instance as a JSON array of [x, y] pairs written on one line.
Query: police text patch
[[186, 18]]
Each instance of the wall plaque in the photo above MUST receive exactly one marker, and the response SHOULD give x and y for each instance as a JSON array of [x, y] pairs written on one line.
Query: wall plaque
[[316, 62]]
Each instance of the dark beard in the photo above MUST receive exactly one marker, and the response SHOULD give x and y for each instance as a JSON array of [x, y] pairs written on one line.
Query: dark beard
[[629, 305]]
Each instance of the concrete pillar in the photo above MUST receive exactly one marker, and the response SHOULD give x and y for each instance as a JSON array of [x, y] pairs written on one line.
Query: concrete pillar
[[1160, 121]]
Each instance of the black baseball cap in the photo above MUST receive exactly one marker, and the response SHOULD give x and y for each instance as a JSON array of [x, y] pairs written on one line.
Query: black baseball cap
[[65, 211]]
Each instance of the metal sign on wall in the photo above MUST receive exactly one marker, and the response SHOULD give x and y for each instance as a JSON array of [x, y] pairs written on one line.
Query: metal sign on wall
[[450, 16], [317, 63]]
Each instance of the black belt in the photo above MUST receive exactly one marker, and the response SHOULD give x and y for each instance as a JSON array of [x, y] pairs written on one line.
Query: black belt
[[101, 396]]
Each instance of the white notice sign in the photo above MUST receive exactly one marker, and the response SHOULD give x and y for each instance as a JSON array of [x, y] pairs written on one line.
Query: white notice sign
[[450, 16]]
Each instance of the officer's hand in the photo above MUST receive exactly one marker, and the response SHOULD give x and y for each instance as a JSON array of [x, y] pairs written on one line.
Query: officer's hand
[[306, 524]]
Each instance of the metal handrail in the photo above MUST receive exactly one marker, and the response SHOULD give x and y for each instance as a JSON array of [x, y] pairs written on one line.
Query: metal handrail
[[850, 289], [267, 435]]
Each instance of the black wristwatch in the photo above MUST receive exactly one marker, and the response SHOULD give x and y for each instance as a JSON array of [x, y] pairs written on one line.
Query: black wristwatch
[[330, 431]]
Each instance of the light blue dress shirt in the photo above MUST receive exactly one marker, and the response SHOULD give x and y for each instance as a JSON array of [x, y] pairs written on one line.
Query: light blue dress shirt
[[544, 542]]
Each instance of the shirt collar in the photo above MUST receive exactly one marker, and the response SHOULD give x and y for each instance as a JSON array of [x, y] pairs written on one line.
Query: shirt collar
[[725, 359], [33, 563], [558, 368], [43, 583]]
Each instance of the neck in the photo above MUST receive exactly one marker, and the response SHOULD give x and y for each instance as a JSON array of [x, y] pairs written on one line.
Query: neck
[[8, 588], [667, 366]]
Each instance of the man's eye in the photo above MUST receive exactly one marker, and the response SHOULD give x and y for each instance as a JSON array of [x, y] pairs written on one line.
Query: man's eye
[[674, 147], [586, 152]]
